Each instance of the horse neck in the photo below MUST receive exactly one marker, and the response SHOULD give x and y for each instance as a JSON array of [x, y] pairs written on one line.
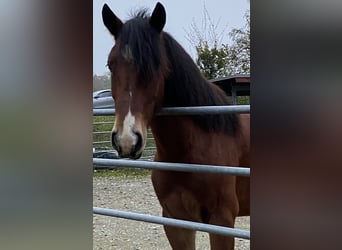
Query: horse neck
[[173, 136], [178, 138], [185, 86]]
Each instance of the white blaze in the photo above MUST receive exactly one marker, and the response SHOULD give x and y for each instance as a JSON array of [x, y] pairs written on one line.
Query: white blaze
[[127, 138], [127, 53]]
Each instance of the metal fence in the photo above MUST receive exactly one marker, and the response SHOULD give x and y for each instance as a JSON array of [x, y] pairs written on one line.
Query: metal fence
[[238, 171]]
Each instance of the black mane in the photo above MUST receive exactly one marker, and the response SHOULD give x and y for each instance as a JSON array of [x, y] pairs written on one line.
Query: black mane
[[184, 84]]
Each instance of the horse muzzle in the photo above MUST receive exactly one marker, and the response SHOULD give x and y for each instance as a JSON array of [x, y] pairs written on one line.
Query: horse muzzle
[[129, 145]]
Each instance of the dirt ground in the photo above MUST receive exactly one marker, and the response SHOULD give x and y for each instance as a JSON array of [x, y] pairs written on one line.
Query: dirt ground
[[136, 194]]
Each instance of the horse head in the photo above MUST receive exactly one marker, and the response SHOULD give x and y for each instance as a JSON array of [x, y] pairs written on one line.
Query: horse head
[[138, 67]]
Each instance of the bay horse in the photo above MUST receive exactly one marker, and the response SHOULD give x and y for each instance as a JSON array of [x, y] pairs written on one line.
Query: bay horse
[[150, 70]]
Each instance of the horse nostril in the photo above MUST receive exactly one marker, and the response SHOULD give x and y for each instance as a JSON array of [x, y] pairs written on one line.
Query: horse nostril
[[138, 145], [115, 141]]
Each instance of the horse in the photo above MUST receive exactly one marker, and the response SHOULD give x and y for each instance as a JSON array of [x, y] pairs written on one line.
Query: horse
[[150, 70]]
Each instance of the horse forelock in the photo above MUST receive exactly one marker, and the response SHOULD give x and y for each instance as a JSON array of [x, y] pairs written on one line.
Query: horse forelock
[[140, 44]]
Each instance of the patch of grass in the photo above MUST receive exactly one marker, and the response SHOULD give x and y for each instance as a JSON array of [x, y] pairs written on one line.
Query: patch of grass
[[121, 172], [102, 125]]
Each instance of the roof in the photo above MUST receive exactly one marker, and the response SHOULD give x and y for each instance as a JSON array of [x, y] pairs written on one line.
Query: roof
[[240, 84]]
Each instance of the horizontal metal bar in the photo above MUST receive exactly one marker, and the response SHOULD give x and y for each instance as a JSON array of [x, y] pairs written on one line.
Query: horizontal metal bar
[[102, 123], [198, 110], [102, 132], [103, 112], [100, 142], [182, 167], [150, 148], [204, 110], [239, 233]]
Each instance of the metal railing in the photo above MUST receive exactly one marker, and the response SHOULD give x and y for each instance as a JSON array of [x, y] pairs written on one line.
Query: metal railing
[[238, 171], [239, 233], [213, 169], [198, 110]]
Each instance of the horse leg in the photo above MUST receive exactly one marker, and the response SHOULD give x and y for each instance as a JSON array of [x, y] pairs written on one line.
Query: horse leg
[[180, 238], [220, 242]]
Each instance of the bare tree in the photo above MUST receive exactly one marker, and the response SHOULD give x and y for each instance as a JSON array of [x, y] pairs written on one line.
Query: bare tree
[[215, 58]]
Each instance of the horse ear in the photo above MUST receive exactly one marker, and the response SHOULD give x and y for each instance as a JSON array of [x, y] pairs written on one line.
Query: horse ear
[[158, 17], [111, 21]]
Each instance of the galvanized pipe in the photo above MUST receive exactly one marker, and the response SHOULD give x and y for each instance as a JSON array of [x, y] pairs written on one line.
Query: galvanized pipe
[[239, 171], [205, 110], [239, 233], [197, 110]]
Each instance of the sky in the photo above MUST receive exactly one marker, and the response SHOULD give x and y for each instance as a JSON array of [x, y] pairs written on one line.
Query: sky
[[179, 17]]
